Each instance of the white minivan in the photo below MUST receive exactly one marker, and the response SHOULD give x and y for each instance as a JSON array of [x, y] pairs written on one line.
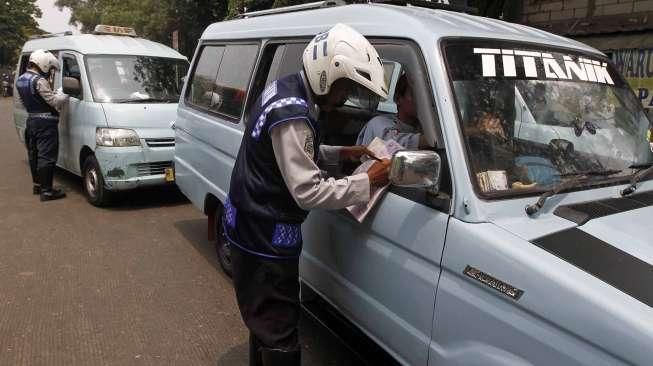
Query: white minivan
[[116, 131], [535, 247]]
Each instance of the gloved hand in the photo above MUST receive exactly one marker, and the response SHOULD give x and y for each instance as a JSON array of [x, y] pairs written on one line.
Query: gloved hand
[[378, 172]]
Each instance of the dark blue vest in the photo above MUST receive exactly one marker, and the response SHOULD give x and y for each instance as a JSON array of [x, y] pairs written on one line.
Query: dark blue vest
[[35, 105], [261, 215]]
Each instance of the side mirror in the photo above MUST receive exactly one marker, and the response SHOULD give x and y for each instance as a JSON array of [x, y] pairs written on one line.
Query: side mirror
[[71, 86], [416, 169]]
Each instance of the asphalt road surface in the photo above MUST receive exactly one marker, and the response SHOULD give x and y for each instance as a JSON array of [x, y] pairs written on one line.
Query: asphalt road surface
[[134, 284]]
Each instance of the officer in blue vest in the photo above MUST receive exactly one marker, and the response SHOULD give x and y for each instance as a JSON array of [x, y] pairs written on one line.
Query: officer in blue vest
[[41, 132], [276, 180]]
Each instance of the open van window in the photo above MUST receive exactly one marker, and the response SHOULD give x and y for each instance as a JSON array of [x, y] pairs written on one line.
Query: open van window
[[532, 116], [133, 79]]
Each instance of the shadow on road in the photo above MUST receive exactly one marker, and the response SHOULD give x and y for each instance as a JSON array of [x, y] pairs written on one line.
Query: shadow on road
[[146, 197], [237, 355], [195, 233]]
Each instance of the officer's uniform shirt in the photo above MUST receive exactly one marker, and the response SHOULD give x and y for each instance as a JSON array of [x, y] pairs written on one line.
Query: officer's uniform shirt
[[293, 149], [54, 100]]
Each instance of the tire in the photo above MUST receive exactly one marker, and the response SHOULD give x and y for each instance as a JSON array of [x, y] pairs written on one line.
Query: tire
[[93, 181], [222, 247]]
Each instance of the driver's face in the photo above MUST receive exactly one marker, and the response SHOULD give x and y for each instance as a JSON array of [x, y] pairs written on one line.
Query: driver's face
[[340, 91]]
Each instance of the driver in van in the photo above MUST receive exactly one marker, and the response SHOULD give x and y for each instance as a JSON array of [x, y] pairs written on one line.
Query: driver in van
[[404, 127], [276, 181], [42, 132]]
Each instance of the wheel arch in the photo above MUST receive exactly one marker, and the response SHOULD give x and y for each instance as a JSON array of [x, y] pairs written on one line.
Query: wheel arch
[[212, 207]]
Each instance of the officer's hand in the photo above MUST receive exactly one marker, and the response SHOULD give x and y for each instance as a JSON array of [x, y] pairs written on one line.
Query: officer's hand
[[378, 172], [354, 152]]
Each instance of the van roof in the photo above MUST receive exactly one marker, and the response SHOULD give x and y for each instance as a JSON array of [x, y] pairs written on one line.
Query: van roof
[[93, 44], [382, 20]]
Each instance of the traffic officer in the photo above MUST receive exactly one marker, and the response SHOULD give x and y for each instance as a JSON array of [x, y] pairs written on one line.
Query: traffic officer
[[41, 133], [276, 181]]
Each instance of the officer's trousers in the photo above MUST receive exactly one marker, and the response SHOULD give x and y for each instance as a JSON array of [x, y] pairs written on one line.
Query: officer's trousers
[[267, 291], [42, 142]]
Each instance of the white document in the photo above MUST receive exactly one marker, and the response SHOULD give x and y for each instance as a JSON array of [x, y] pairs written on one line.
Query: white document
[[382, 150]]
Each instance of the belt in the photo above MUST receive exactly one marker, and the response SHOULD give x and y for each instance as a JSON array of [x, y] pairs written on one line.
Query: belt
[[43, 115]]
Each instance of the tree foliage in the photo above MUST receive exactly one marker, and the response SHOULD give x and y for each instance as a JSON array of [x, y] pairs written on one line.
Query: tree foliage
[[152, 19], [17, 23]]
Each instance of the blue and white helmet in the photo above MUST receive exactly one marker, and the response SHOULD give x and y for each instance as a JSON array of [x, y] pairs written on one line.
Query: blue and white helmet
[[339, 53]]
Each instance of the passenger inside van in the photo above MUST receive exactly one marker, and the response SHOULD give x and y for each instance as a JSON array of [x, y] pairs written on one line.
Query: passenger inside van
[[404, 127]]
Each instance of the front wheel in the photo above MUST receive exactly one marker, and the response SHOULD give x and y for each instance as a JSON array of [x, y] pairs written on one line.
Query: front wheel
[[222, 247], [96, 192]]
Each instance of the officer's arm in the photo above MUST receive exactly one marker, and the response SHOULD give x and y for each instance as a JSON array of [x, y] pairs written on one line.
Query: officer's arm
[[302, 176], [55, 100]]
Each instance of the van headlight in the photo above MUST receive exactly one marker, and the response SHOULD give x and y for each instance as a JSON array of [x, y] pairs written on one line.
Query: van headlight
[[116, 137]]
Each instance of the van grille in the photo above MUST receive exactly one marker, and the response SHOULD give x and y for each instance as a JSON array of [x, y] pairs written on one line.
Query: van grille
[[144, 169], [163, 142]]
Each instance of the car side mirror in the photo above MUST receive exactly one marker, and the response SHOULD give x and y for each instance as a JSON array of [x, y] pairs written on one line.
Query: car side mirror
[[72, 87], [416, 169]]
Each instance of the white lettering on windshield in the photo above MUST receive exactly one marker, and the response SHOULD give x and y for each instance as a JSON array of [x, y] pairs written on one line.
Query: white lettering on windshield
[[585, 69]]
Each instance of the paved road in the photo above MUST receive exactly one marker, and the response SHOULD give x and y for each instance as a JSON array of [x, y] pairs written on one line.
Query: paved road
[[135, 284]]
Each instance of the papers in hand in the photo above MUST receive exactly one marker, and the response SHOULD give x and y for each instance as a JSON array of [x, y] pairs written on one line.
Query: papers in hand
[[382, 150]]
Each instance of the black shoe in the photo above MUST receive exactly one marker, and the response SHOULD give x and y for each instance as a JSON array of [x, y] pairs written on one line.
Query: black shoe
[[36, 189], [277, 357], [52, 194]]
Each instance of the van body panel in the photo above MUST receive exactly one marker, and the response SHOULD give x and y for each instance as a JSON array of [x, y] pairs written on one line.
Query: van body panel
[[366, 267], [206, 151], [143, 116], [559, 319]]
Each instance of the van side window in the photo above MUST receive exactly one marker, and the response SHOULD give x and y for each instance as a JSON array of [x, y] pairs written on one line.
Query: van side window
[[233, 78], [203, 80]]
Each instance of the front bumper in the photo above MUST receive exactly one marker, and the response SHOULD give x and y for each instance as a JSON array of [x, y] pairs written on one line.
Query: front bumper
[[126, 168]]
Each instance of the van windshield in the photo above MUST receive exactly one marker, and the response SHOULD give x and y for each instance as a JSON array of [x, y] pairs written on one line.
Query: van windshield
[[134, 79], [532, 116]]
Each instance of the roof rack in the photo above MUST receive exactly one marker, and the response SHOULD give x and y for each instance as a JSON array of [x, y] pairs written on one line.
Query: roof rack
[[49, 35], [459, 6], [294, 8]]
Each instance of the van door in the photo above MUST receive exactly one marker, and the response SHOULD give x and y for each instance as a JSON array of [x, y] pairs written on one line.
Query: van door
[[72, 115], [382, 273]]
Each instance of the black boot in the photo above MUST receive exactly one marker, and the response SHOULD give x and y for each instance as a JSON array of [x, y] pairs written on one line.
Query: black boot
[[36, 188], [254, 351], [277, 357], [52, 194], [47, 192]]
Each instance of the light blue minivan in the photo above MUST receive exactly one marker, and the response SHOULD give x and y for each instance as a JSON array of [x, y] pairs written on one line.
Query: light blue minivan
[[531, 247], [116, 130]]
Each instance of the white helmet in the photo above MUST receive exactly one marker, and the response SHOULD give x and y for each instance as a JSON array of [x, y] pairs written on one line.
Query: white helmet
[[44, 60], [339, 53]]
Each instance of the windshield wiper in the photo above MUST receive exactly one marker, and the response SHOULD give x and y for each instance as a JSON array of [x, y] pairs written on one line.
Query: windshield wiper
[[643, 170], [149, 100], [573, 180]]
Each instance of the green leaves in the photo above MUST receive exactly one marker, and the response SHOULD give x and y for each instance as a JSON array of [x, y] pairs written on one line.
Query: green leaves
[[17, 23]]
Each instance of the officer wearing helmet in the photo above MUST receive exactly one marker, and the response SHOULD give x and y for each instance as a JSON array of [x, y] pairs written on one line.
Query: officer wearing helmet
[[276, 181], [41, 133]]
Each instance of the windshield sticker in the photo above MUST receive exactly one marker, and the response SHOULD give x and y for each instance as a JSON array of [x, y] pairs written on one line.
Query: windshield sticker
[[584, 69]]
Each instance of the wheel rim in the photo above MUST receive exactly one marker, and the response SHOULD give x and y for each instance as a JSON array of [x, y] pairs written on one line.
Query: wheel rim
[[91, 182]]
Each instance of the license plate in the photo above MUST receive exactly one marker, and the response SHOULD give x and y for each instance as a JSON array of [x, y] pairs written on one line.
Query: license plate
[[170, 174]]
